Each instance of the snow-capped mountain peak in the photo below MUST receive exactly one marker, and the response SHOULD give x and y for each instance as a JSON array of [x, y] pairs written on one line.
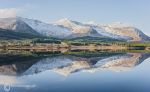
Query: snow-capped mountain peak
[[16, 24], [126, 30], [66, 28], [68, 23], [48, 29], [91, 23], [74, 26], [64, 20]]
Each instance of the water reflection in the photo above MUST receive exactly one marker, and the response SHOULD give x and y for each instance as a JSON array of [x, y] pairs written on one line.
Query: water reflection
[[67, 64], [14, 66]]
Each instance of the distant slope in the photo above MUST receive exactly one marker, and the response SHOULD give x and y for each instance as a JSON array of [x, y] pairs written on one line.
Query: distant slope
[[9, 34], [81, 30], [114, 30], [125, 30], [16, 25], [15, 28], [47, 29]]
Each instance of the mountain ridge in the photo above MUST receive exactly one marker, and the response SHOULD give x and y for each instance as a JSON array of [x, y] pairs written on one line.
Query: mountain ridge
[[68, 29]]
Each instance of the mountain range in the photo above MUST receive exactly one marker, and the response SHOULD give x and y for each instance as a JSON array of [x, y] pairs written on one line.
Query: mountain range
[[18, 27]]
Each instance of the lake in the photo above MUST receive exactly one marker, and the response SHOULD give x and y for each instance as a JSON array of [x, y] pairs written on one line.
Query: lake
[[25, 71]]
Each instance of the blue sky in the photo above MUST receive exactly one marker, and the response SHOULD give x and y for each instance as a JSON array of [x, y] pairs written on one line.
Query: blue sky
[[133, 12]]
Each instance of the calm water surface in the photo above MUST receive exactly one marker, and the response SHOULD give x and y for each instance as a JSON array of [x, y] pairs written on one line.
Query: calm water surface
[[115, 72]]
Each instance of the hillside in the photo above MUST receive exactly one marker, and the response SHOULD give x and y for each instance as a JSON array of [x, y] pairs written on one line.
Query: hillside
[[9, 34]]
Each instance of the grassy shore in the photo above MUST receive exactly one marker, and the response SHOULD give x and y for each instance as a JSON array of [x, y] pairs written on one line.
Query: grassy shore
[[57, 45]]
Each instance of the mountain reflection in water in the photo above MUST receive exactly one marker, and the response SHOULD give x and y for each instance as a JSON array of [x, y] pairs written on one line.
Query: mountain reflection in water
[[13, 66], [67, 64]]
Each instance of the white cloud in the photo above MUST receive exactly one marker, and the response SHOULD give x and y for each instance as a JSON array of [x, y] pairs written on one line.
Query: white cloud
[[8, 12]]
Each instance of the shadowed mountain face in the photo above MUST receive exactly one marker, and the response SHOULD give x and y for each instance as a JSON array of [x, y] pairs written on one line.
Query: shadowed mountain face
[[16, 25], [67, 64], [15, 28]]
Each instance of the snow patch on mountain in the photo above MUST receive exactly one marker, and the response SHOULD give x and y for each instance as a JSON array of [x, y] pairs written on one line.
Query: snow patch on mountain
[[16, 25], [75, 27], [47, 29], [66, 28], [124, 30]]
